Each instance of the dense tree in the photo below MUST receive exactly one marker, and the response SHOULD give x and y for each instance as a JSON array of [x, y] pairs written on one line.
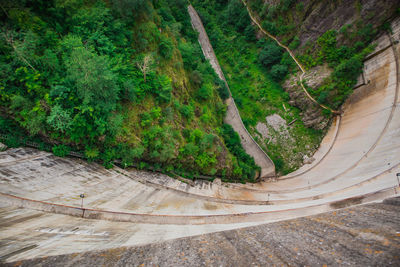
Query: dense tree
[[93, 78], [278, 72], [270, 54]]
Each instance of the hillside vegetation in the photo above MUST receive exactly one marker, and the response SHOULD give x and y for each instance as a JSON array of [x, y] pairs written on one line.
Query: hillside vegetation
[[344, 33], [121, 79], [329, 42], [254, 69], [126, 79]]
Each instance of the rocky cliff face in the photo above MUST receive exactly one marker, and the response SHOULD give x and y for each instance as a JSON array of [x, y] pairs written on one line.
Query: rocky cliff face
[[321, 16], [355, 21], [316, 17], [312, 115]]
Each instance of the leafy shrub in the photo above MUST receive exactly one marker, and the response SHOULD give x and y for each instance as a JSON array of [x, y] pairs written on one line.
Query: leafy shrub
[[232, 141], [187, 111], [323, 97], [205, 160], [295, 43], [278, 72], [300, 7], [196, 77], [236, 15], [166, 47], [190, 149], [61, 150], [327, 44], [205, 91], [59, 119], [367, 33], [270, 54], [223, 90], [270, 27], [163, 88], [348, 69], [91, 153]]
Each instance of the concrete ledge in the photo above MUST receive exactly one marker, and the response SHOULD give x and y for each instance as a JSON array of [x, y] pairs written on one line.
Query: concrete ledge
[[365, 235], [194, 219]]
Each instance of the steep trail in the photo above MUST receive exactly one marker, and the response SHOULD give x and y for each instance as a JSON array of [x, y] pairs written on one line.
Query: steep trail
[[303, 72]]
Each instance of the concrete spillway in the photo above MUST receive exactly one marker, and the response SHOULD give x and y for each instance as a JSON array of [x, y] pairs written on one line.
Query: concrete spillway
[[41, 213], [232, 116], [324, 239]]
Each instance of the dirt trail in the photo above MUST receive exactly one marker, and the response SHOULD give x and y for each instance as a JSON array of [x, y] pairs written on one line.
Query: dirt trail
[[232, 115], [303, 72]]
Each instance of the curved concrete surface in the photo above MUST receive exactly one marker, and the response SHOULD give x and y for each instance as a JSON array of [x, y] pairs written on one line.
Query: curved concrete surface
[[41, 214], [232, 116], [372, 240]]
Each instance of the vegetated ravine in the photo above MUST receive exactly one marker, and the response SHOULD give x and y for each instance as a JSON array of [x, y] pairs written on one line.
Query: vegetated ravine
[[127, 80]]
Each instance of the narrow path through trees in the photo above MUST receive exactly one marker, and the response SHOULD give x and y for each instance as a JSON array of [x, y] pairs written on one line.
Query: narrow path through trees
[[303, 72]]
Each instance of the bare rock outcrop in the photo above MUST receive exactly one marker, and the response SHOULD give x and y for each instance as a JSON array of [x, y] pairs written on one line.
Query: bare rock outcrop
[[2, 147], [312, 115], [320, 16]]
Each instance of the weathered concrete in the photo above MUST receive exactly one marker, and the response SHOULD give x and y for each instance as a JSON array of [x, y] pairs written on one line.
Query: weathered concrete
[[232, 116], [362, 236]]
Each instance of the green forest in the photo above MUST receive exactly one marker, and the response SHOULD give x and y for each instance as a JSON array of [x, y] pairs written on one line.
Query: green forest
[[121, 79], [126, 80]]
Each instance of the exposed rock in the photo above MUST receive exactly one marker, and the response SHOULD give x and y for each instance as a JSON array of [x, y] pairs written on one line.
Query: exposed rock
[[275, 128], [2, 147], [308, 160], [317, 17], [217, 181], [312, 114], [276, 122], [315, 76], [321, 16], [263, 130]]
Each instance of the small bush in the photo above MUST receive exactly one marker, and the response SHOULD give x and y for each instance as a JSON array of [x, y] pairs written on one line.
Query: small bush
[[223, 90], [187, 111], [91, 153], [295, 43], [270, 27], [61, 150], [323, 97], [278, 72], [205, 92], [166, 48], [247, 166], [270, 54], [349, 69]]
